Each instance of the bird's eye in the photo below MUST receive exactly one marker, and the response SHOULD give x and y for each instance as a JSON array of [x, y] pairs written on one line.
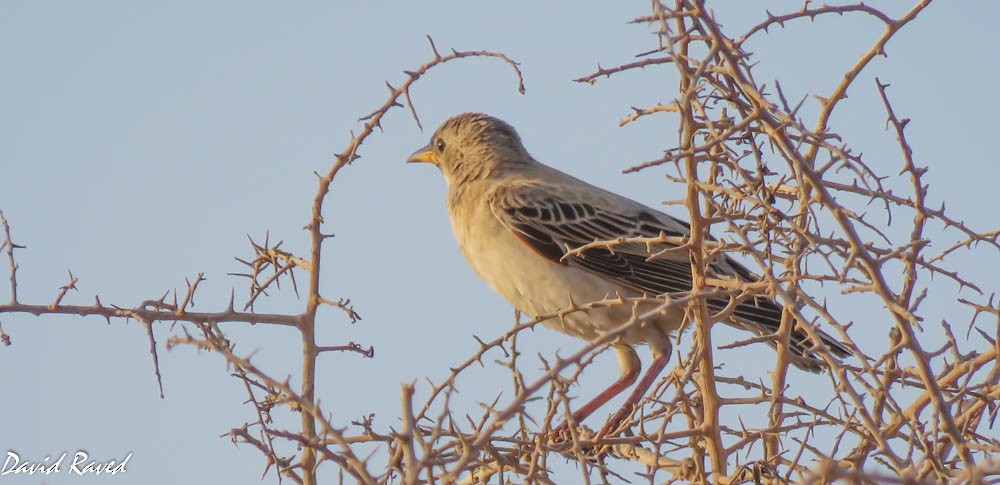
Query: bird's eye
[[440, 145]]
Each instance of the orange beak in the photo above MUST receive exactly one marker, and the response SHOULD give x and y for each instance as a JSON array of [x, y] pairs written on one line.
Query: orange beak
[[423, 155]]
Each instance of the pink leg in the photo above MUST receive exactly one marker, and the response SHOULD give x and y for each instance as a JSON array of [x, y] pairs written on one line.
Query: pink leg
[[630, 366], [640, 390]]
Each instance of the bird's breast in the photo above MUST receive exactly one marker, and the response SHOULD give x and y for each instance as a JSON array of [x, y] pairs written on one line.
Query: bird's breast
[[531, 283]]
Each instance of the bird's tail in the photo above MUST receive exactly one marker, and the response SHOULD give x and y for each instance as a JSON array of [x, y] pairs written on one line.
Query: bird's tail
[[763, 317]]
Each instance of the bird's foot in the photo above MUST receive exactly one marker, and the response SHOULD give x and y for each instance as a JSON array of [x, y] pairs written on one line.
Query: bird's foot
[[562, 433], [581, 440]]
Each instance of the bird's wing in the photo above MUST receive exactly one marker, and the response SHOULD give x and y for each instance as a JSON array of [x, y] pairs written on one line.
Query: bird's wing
[[553, 222]]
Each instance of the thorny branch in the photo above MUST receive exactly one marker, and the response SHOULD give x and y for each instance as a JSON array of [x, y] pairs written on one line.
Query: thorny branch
[[280, 263], [798, 203]]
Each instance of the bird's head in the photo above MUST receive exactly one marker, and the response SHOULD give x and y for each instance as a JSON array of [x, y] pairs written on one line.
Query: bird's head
[[472, 145]]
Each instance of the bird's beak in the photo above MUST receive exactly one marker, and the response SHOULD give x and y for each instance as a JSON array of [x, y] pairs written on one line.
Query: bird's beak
[[423, 155]]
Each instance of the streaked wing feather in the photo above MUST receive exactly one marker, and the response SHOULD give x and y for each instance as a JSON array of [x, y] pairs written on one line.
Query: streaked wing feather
[[551, 226]]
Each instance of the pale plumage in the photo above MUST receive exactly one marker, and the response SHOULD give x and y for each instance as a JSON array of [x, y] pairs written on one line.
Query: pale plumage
[[516, 220]]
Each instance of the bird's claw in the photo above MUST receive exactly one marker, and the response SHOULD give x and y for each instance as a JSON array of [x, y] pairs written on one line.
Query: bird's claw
[[561, 434], [564, 437]]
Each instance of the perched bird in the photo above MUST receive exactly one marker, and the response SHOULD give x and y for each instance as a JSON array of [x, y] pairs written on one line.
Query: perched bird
[[516, 220]]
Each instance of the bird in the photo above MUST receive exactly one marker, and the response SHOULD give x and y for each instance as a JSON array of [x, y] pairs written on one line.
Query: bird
[[520, 225]]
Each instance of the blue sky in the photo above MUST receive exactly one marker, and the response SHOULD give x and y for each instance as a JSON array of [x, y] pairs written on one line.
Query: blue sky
[[141, 143]]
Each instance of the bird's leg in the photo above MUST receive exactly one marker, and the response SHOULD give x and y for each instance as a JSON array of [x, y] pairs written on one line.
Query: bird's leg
[[629, 364], [640, 390]]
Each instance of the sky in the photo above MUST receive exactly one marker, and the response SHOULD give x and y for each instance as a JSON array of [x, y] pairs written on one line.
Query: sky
[[141, 143]]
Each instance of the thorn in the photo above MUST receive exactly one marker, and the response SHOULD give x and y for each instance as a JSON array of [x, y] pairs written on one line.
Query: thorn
[[433, 47]]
